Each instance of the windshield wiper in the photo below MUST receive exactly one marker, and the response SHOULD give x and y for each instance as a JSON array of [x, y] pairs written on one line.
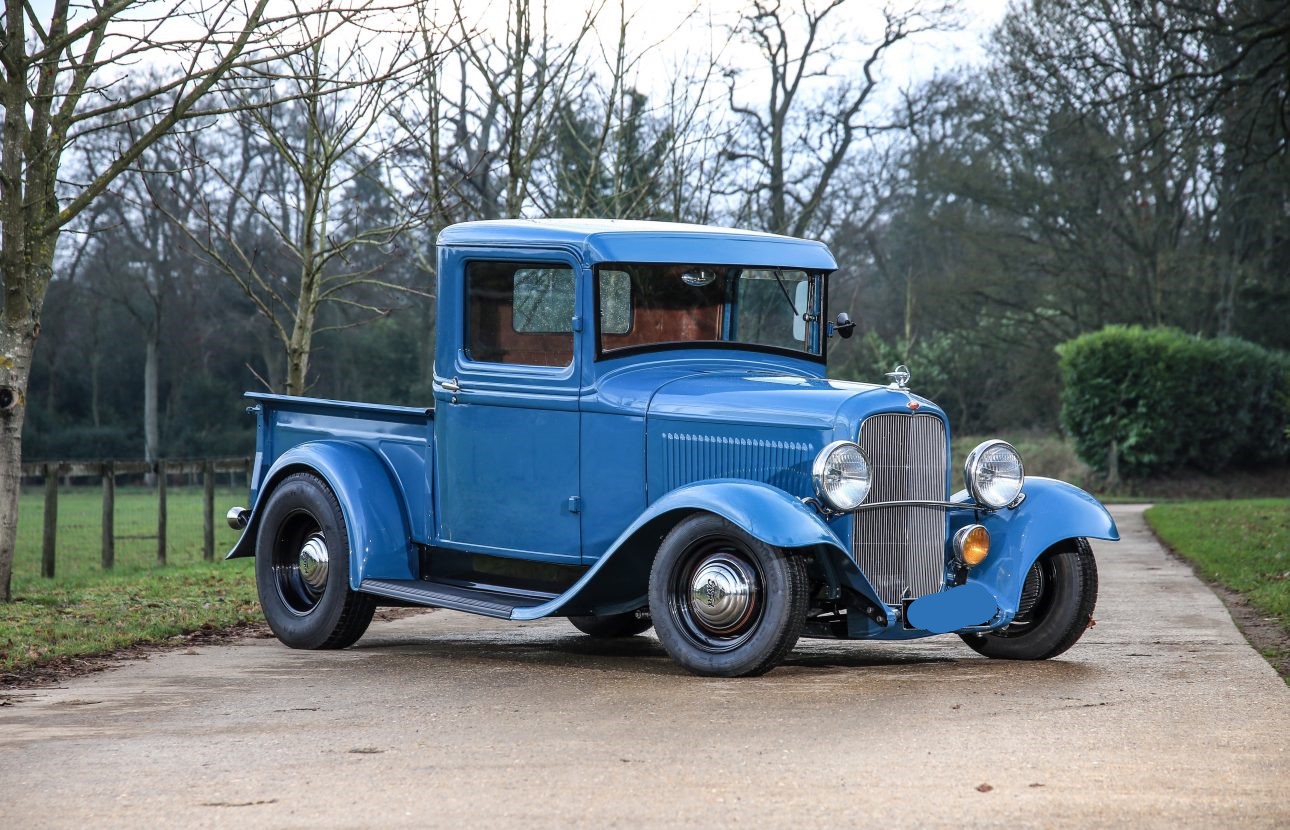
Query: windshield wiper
[[779, 280]]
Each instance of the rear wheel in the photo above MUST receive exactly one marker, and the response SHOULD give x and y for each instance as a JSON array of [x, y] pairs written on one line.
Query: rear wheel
[[302, 568], [725, 604], [1057, 601], [609, 626]]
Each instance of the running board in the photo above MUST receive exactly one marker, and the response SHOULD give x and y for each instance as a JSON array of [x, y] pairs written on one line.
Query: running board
[[441, 595]]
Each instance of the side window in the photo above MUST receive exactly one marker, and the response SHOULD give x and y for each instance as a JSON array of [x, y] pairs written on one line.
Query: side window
[[615, 302], [519, 313]]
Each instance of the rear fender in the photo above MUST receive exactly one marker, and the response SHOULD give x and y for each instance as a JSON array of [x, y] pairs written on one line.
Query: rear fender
[[1053, 511], [619, 581], [380, 540]]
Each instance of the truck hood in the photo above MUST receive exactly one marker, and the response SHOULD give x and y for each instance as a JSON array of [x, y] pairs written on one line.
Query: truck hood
[[756, 425], [767, 398]]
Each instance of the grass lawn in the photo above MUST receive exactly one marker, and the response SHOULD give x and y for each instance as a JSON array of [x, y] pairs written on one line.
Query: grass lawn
[[84, 611], [80, 534], [1242, 545]]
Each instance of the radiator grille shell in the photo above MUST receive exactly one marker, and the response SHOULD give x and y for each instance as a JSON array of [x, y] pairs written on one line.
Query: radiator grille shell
[[902, 549]]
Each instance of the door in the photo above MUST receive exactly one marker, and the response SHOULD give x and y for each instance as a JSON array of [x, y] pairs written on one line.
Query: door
[[506, 419]]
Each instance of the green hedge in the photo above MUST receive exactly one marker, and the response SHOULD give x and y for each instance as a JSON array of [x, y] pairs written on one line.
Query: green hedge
[[1169, 400]]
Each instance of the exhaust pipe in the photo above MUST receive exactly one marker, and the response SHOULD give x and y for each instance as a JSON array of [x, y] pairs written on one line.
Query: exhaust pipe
[[238, 517]]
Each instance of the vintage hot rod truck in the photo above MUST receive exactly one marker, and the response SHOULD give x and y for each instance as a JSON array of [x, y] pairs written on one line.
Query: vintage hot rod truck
[[632, 427]]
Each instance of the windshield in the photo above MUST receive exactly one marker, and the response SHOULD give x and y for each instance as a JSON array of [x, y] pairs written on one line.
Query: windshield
[[650, 305]]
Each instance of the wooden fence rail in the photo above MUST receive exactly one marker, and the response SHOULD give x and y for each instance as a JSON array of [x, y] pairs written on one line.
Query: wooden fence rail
[[108, 472]]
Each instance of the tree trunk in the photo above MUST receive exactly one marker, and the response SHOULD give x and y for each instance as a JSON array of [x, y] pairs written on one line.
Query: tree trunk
[[27, 265], [95, 362], [778, 208], [302, 337], [151, 430], [16, 347], [297, 365]]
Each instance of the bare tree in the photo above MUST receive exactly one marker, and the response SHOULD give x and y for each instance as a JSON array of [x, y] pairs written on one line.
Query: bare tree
[[287, 183], [149, 258], [1111, 185], [58, 84], [615, 149], [794, 143], [478, 121], [506, 107]]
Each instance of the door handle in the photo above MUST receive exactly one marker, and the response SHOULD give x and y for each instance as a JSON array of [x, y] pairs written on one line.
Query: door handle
[[451, 385]]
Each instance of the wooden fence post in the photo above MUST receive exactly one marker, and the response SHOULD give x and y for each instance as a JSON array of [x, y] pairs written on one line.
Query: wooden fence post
[[51, 522], [208, 479], [109, 509], [161, 512]]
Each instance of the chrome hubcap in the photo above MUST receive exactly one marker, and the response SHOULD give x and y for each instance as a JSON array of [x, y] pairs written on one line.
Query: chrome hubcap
[[723, 593], [312, 562]]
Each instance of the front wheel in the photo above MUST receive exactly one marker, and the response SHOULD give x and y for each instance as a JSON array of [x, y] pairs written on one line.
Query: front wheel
[[302, 568], [1057, 601], [725, 604]]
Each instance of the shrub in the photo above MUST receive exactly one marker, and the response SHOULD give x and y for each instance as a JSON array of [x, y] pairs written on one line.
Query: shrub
[[1169, 399]]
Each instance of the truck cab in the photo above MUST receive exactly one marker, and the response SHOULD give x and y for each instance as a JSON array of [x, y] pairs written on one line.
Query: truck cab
[[632, 426]]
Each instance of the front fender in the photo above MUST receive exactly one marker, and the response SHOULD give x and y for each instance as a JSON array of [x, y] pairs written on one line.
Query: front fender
[[379, 536], [762, 510], [619, 581], [1052, 512]]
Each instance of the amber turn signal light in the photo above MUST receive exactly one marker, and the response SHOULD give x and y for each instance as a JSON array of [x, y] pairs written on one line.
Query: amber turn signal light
[[972, 545]]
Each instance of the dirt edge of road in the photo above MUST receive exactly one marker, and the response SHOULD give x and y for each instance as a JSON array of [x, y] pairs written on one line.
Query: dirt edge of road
[[1264, 634]]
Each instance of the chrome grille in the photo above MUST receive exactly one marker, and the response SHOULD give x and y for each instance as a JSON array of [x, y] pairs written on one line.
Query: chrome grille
[[903, 548]]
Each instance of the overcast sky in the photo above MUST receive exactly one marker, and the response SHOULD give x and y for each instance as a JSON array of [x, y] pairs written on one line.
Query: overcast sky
[[695, 28], [682, 30]]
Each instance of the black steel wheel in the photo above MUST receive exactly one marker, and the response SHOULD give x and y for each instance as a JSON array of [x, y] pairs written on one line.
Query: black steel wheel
[[725, 604], [610, 626], [1057, 602], [302, 568]]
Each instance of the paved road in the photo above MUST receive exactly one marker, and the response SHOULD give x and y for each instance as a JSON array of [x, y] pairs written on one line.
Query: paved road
[[1161, 715]]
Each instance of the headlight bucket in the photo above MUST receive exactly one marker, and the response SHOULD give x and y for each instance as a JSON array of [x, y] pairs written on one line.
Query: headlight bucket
[[994, 474], [841, 475]]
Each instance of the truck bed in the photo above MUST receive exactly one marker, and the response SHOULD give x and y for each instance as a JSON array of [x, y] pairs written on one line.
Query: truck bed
[[401, 435]]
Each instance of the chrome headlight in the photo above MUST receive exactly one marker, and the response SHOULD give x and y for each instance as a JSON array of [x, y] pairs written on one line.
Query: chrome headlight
[[994, 474], [841, 475]]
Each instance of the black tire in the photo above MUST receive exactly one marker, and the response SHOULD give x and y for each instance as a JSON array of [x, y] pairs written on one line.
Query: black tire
[[755, 634], [1056, 607], [611, 626], [301, 511]]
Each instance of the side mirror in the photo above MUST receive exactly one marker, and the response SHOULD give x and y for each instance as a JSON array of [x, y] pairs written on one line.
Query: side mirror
[[845, 326]]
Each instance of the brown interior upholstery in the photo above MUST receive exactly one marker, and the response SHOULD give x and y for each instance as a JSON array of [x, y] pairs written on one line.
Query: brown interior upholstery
[[491, 334], [666, 310], [666, 325]]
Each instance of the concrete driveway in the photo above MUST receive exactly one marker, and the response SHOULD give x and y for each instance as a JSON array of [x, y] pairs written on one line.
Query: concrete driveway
[[1161, 715]]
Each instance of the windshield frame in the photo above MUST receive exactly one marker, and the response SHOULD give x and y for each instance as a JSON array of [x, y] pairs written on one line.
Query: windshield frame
[[818, 326]]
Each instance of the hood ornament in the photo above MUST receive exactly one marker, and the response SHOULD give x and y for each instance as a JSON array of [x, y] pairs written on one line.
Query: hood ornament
[[899, 377]]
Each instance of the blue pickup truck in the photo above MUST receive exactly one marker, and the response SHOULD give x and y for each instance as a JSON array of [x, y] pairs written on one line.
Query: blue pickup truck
[[632, 428]]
